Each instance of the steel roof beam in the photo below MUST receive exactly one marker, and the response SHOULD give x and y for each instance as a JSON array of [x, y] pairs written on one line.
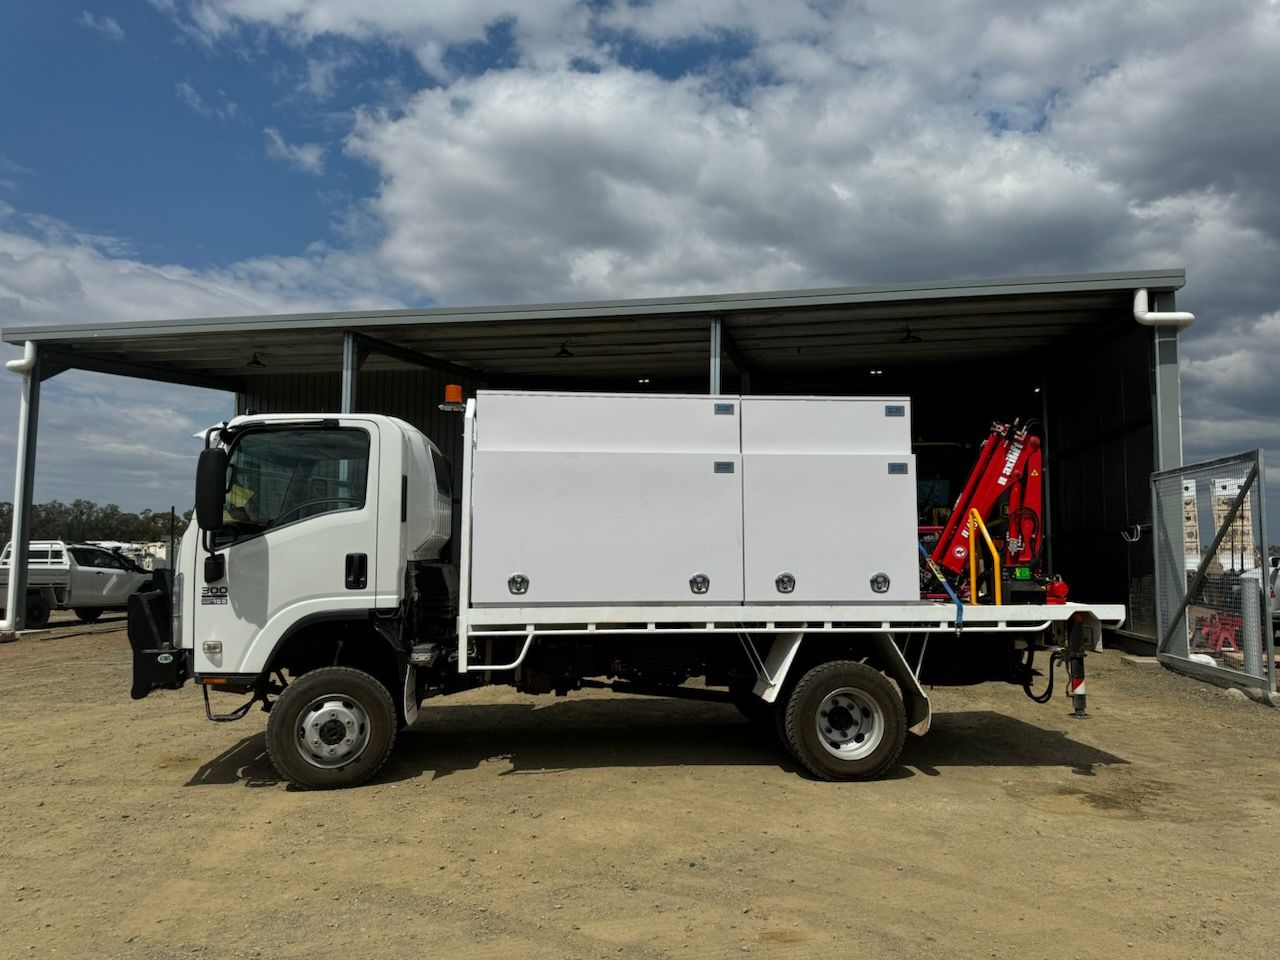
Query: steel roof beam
[[722, 304], [59, 359], [415, 358]]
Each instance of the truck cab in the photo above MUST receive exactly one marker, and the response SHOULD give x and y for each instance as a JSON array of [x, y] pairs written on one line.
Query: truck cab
[[321, 521]]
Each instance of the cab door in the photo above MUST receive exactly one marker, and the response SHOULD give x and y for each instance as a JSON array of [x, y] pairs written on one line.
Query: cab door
[[299, 542], [82, 582], [116, 581]]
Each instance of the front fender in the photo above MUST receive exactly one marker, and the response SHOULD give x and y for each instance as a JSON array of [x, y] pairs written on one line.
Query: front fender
[[287, 622]]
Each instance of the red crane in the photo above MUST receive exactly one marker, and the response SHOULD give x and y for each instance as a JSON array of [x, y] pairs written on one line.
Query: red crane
[[1009, 461]]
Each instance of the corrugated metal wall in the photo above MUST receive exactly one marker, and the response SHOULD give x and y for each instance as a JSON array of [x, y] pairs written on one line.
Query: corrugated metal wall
[[1102, 450], [412, 395]]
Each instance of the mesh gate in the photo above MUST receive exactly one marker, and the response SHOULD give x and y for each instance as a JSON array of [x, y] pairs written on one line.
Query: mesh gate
[[1212, 573]]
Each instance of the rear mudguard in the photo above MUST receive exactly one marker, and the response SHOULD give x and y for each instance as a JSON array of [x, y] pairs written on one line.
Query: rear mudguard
[[782, 654]]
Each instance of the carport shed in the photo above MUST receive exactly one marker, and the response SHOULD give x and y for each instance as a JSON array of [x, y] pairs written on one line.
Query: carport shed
[[1069, 351]]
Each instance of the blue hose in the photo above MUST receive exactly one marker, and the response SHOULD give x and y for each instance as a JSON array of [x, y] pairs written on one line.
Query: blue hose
[[945, 586]]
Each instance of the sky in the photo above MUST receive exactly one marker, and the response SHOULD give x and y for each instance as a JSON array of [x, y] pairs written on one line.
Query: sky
[[170, 158]]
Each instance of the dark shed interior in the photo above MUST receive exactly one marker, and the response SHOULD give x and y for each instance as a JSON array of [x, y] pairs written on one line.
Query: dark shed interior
[[1063, 351]]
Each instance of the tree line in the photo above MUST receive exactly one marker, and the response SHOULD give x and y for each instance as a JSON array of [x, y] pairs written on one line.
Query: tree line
[[85, 520]]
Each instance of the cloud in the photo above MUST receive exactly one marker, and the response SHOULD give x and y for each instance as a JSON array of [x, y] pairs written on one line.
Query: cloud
[[128, 441], [107, 26], [548, 32], [620, 183], [672, 146], [10, 166], [220, 107], [321, 78], [306, 157], [11, 174]]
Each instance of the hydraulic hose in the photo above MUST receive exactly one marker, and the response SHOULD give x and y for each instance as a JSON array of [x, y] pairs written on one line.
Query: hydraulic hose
[[1054, 659]]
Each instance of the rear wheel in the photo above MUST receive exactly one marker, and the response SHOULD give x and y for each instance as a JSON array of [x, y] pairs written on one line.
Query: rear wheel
[[332, 727], [88, 614], [845, 721], [37, 611]]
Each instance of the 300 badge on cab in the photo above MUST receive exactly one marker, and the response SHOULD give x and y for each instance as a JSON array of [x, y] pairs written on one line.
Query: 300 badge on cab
[[213, 595]]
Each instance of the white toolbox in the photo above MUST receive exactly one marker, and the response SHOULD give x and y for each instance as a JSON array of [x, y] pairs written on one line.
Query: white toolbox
[[612, 499]]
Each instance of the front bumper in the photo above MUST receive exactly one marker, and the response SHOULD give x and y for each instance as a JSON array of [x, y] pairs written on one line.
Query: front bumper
[[157, 664]]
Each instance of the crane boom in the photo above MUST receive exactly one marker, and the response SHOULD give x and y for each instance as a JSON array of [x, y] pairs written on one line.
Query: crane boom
[[1009, 461]]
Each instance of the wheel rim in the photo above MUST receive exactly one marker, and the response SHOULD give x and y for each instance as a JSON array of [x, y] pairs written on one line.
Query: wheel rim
[[849, 723], [332, 731]]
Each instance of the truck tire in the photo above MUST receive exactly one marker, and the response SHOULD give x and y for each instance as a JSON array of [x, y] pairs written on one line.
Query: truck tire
[[88, 614], [845, 721], [37, 611], [332, 727]]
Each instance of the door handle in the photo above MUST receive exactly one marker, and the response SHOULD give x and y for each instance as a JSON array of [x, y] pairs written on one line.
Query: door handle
[[357, 571]]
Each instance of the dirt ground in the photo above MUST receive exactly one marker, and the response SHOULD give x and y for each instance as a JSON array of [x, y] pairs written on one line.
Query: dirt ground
[[605, 826]]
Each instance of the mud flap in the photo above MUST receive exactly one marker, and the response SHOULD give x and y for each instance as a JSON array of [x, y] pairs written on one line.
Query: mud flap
[[919, 710], [409, 695]]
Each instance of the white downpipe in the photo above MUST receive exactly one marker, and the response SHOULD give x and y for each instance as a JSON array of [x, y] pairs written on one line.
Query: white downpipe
[[23, 367], [1181, 320], [28, 360]]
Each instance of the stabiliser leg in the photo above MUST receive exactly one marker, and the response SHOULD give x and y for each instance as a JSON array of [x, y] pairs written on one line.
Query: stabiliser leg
[[1075, 685], [1083, 633]]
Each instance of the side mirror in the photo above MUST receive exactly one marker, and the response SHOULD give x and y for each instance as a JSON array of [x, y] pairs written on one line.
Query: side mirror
[[211, 488], [1275, 562]]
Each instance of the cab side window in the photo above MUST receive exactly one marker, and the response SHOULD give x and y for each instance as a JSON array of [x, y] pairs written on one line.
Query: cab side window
[[282, 476]]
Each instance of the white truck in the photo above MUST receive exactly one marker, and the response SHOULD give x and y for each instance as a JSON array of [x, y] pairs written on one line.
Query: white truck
[[82, 577], [765, 547]]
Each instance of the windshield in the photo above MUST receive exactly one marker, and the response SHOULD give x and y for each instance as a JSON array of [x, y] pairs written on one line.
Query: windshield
[[276, 477]]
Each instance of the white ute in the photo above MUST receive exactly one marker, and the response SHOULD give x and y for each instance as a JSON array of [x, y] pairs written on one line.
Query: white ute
[[766, 546], [81, 577]]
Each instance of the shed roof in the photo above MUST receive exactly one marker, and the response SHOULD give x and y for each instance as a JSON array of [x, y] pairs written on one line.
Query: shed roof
[[795, 331]]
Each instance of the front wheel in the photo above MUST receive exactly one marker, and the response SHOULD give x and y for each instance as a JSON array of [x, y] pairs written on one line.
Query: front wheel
[[332, 727], [845, 721]]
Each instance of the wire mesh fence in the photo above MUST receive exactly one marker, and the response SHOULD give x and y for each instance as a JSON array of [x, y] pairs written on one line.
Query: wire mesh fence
[[1142, 588], [1212, 570]]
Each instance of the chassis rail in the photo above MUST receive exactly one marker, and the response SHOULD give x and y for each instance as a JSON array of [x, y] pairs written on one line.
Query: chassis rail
[[927, 617]]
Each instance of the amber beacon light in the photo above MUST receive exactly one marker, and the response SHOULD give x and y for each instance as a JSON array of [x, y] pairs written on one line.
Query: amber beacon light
[[453, 401]]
